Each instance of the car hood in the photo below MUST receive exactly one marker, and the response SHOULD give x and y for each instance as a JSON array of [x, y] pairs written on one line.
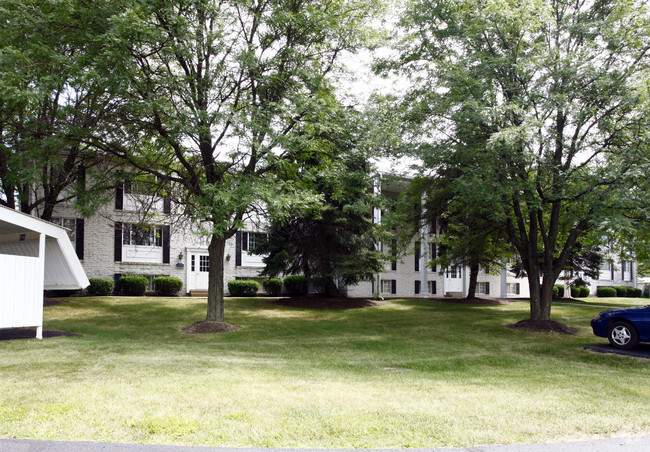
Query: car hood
[[615, 312]]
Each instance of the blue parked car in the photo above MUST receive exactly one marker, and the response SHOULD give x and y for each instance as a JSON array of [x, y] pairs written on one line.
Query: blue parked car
[[624, 328]]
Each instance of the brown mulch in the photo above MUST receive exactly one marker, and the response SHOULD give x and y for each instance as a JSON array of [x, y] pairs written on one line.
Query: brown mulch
[[543, 326], [209, 326], [326, 303], [478, 301]]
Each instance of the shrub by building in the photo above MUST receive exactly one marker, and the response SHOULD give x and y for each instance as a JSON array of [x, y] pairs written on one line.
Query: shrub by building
[[607, 292], [100, 286], [133, 284], [272, 286], [296, 285], [167, 285], [243, 287]]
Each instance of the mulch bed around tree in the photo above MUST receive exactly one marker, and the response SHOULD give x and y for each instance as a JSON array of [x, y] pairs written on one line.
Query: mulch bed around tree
[[478, 301], [209, 326], [326, 303], [543, 326]]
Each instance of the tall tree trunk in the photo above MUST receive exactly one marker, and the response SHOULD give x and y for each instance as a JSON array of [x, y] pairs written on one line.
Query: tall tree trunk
[[330, 288], [473, 277], [216, 251]]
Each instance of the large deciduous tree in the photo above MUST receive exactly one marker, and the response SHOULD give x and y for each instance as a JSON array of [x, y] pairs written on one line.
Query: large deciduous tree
[[561, 88], [49, 101], [215, 90]]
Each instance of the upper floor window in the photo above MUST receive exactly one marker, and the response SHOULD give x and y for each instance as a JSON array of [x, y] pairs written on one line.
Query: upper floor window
[[71, 225], [255, 239], [141, 235], [483, 288]]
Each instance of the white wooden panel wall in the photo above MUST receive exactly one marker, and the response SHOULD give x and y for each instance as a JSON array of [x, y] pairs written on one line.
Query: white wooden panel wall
[[21, 291]]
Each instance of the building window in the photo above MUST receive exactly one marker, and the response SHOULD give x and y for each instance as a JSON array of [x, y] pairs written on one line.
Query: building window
[[141, 235], [431, 285], [204, 263], [513, 288], [389, 286], [454, 272], [71, 225], [386, 285], [483, 288]]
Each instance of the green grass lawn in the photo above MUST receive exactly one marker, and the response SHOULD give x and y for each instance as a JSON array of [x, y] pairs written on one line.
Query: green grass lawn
[[303, 378]]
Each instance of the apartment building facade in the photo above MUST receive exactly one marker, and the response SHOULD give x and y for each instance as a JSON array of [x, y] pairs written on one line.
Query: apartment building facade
[[140, 234]]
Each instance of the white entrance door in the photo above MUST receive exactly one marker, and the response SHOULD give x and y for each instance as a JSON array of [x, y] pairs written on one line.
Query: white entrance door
[[454, 280], [199, 267]]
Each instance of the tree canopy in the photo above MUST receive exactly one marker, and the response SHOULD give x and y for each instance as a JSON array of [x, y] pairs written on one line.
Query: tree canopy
[[49, 101], [333, 242], [213, 95], [560, 88]]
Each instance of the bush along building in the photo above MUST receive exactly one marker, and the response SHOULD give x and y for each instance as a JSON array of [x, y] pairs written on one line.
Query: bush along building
[[141, 234]]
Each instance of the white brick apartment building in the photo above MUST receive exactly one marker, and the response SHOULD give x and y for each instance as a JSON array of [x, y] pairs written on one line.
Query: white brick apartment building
[[112, 243]]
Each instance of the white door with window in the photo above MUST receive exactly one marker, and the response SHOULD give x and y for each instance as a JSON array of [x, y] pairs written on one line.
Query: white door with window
[[454, 279], [198, 272]]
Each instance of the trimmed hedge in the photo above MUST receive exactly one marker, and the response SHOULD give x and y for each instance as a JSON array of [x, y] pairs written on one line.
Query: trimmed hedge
[[621, 291], [604, 291], [560, 289], [296, 285], [167, 285], [133, 284], [273, 286], [575, 291], [637, 292], [584, 291], [100, 286], [243, 287]]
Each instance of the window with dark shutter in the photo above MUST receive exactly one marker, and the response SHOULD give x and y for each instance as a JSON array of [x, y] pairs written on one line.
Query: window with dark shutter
[[393, 251], [417, 257], [166, 239], [79, 238], [417, 287], [119, 197], [118, 241], [393, 286], [238, 240]]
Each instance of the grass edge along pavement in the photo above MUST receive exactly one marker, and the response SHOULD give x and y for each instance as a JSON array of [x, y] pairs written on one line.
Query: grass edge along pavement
[[410, 373]]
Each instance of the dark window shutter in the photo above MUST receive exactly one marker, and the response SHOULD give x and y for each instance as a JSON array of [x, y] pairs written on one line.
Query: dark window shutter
[[393, 286], [417, 287], [238, 240], [244, 241], [417, 257], [434, 251], [79, 243], [433, 287], [487, 288], [119, 197], [393, 251], [118, 241], [81, 179], [518, 288], [166, 232], [372, 286], [116, 280], [167, 205]]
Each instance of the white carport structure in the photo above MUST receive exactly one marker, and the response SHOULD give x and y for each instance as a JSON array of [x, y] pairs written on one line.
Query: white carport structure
[[35, 255]]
